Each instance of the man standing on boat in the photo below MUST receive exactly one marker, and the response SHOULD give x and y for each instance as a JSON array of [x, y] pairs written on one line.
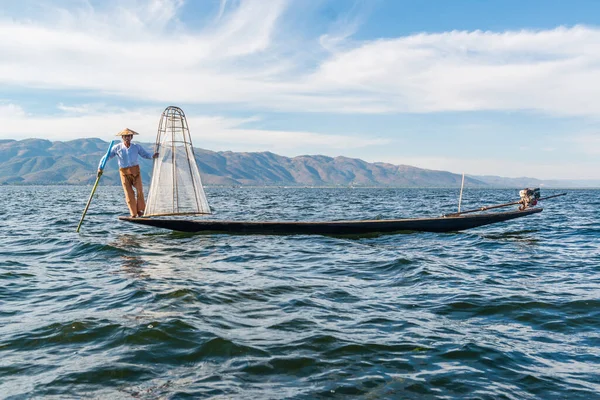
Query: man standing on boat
[[127, 155]]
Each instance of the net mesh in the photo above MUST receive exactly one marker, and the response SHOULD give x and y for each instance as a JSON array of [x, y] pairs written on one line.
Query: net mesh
[[176, 187]]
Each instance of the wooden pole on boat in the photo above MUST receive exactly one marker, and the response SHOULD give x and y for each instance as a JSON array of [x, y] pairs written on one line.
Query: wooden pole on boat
[[461, 190], [484, 208], [95, 184]]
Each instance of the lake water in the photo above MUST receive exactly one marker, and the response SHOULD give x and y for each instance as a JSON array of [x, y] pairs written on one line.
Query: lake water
[[120, 311]]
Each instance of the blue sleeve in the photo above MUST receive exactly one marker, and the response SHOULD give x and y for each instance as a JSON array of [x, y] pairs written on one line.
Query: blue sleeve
[[142, 152], [113, 152]]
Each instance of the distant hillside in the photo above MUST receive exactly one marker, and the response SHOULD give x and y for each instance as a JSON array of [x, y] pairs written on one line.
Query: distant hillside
[[499, 181], [39, 161]]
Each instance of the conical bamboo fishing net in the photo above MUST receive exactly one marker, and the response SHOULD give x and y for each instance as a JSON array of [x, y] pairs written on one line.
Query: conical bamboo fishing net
[[176, 188]]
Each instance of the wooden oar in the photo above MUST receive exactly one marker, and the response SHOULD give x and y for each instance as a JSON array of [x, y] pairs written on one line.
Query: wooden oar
[[484, 208], [96, 184]]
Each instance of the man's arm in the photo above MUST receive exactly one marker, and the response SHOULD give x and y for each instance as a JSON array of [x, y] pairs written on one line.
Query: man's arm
[[142, 152], [113, 152]]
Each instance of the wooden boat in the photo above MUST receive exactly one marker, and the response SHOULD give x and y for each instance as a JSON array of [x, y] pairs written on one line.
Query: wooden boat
[[449, 223], [176, 190]]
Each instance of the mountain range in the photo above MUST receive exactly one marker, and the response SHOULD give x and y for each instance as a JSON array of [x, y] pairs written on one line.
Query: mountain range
[[41, 162]]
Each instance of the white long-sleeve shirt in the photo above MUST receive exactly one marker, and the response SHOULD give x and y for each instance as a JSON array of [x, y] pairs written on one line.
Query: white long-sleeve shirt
[[127, 157]]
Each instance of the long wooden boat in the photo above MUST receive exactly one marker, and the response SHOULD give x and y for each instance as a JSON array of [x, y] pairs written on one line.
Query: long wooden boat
[[450, 223]]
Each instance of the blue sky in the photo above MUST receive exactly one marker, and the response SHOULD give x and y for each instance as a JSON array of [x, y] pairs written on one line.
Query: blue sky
[[508, 88]]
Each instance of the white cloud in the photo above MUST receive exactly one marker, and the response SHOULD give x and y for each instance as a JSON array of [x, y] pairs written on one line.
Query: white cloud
[[500, 167], [84, 109], [11, 111], [223, 133], [554, 71], [211, 132], [344, 26], [130, 54], [141, 50]]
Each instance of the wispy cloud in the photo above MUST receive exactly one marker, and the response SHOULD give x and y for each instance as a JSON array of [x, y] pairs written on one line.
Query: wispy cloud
[[142, 50], [11, 111], [130, 53], [491, 166], [551, 71], [344, 26], [213, 132]]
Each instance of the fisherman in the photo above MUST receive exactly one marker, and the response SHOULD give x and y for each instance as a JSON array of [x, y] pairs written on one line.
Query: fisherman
[[129, 170]]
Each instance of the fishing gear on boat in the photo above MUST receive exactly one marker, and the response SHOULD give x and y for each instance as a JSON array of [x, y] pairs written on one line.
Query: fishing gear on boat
[[528, 198]]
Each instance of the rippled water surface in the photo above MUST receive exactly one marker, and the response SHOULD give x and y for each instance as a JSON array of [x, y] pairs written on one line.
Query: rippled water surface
[[119, 311]]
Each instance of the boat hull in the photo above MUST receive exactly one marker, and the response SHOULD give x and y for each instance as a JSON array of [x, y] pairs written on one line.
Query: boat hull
[[438, 224]]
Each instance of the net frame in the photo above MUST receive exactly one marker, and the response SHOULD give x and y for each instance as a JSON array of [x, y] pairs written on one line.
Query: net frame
[[187, 197]]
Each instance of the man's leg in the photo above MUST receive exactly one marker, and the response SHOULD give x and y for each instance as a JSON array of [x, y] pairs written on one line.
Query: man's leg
[[141, 203], [126, 181]]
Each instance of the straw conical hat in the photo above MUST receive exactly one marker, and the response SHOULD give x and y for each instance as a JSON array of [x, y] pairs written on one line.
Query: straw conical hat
[[127, 131]]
